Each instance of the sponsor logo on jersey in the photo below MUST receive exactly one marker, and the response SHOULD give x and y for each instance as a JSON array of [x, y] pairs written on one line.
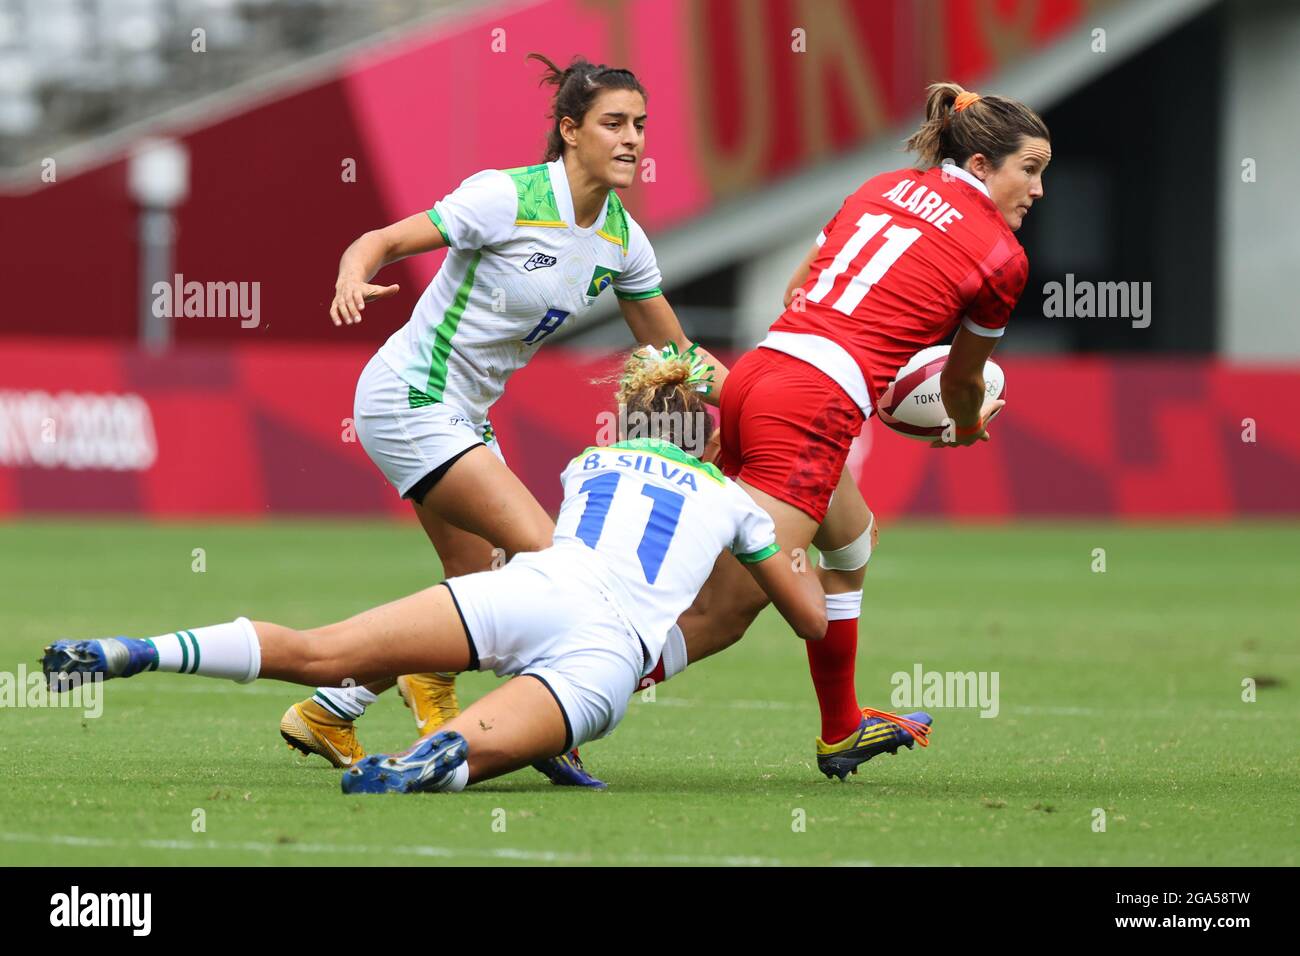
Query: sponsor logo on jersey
[[539, 261], [600, 278]]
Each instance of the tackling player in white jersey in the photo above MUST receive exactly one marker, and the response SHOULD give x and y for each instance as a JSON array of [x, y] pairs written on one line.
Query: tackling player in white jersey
[[530, 248], [579, 623]]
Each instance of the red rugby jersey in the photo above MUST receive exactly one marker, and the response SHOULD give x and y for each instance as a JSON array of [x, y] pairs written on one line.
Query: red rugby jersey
[[904, 260]]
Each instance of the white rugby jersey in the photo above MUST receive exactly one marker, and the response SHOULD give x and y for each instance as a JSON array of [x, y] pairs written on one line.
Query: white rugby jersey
[[517, 268], [658, 518]]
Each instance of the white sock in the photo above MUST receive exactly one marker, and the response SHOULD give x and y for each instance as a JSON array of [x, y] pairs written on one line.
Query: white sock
[[228, 650], [458, 781], [346, 702], [843, 607], [674, 652]]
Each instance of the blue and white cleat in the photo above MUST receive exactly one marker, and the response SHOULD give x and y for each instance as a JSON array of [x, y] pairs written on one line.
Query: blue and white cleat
[[567, 770], [427, 766], [109, 656], [880, 732]]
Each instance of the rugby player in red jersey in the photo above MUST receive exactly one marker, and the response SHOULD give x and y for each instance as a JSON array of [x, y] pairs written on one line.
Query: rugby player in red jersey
[[911, 257]]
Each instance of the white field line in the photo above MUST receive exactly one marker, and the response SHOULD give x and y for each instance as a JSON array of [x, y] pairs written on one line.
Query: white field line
[[503, 854]]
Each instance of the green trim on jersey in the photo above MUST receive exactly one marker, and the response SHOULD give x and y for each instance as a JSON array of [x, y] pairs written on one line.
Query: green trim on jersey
[[417, 399], [664, 449], [436, 219], [615, 228], [537, 204], [446, 329], [760, 555], [633, 296]]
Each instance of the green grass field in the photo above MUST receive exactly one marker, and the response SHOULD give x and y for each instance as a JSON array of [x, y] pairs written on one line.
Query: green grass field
[[1119, 690]]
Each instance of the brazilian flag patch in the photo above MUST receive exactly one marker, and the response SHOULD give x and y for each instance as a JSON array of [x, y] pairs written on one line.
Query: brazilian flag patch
[[601, 278]]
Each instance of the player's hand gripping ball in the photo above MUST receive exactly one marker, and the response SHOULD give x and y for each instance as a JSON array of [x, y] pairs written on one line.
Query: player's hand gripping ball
[[912, 404]]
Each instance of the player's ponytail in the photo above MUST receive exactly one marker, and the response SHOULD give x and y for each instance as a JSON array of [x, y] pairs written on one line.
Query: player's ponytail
[[661, 395], [958, 124], [576, 88]]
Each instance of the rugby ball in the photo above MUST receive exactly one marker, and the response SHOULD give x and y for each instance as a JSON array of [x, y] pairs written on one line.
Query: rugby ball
[[912, 406]]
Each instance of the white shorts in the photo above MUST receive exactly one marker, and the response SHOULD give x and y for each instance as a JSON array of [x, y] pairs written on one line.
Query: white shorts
[[543, 614], [407, 443]]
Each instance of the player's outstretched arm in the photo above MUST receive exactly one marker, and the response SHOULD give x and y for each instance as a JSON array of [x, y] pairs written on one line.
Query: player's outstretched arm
[[797, 594], [653, 322], [370, 253]]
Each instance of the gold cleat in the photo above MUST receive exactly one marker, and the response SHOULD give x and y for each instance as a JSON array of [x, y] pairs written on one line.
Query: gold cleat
[[432, 699], [309, 727]]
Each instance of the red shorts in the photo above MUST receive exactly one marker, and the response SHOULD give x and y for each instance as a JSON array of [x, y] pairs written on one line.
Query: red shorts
[[786, 429]]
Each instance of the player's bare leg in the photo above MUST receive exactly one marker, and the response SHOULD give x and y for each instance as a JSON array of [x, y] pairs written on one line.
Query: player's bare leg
[[844, 539], [480, 495], [850, 735], [461, 552], [421, 632], [846, 519], [477, 506], [324, 723], [431, 697], [725, 608], [730, 600], [511, 727], [514, 726]]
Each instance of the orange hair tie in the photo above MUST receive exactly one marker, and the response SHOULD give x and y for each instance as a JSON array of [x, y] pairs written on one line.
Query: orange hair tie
[[964, 100]]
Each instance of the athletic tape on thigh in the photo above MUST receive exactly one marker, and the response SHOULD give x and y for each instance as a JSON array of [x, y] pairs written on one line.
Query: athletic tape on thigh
[[853, 555]]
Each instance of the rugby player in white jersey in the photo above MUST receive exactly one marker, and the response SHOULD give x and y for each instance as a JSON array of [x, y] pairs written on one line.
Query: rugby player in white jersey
[[577, 625], [530, 249]]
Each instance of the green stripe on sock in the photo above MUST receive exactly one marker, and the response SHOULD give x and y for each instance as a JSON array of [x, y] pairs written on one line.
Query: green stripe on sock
[[325, 702], [195, 668], [185, 653], [153, 664]]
